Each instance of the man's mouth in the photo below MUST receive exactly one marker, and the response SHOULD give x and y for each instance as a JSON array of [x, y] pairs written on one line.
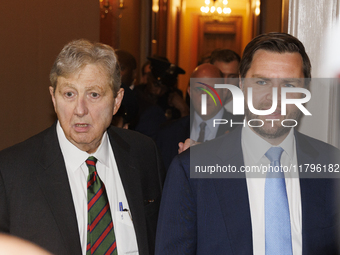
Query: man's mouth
[[81, 125], [275, 114]]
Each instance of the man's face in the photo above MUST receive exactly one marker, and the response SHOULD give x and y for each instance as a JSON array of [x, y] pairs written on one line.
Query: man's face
[[195, 93], [84, 103], [268, 70], [127, 74], [229, 70]]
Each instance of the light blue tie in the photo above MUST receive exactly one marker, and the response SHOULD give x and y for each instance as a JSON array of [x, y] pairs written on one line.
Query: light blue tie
[[277, 219]]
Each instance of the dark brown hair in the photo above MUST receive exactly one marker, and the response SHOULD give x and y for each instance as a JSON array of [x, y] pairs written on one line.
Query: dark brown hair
[[224, 55], [275, 42]]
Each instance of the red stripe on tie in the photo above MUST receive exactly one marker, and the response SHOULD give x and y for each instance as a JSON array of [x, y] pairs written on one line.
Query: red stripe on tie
[[94, 199], [90, 162], [111, 249], [99, 217], [90, 182], [102, 237], [88, 247]]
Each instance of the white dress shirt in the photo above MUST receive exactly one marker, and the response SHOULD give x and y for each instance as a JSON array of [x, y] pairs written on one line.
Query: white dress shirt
[[254, 149], [210, 130], [106, 166]]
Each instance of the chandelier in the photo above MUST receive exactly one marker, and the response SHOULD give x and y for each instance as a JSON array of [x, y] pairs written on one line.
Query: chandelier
[[215, 7]]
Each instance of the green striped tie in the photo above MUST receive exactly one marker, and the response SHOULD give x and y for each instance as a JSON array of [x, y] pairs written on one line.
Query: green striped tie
[[100, 233]]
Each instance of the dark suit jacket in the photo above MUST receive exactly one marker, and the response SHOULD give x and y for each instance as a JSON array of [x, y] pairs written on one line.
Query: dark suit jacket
[[178, 131], [212, 216], [35, 196]]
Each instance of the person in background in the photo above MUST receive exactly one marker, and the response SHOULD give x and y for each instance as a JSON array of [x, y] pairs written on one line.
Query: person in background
[[227, 61], [145, 72], [128, 66], [190, 127], [160, 100], [127, 114]]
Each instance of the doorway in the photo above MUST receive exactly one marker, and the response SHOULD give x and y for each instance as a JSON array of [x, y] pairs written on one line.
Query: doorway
[[216, 34]]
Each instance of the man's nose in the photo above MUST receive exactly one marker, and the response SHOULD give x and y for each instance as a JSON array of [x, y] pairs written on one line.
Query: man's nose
[[81, 106], [270, 92]]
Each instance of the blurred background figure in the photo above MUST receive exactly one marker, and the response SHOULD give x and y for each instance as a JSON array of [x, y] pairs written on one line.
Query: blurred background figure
[[122, 118], [205, 59], [128, 66], [159, 99], [145, 71], [191, 126], [11, 245], [228, 62], [127, 114]]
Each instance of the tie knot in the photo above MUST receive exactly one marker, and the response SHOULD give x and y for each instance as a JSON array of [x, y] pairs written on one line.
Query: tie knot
[[274, 154], [202, 125], [91, 161]]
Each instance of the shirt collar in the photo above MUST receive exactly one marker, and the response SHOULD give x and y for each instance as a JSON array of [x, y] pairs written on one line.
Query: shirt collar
[[288, 144], [210, 122], [102, 153], [74, 157], [257, 146]]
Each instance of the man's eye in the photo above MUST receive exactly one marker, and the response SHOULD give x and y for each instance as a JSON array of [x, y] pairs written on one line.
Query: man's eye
[[288, 85], [261, 82], [69, 94], [94, 95]]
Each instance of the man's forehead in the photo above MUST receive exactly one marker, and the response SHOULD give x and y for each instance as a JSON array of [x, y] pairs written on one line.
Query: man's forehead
[[269, 64], [262, 53], [74, 83]]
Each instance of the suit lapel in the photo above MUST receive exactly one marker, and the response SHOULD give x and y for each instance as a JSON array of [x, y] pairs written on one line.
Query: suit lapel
[[53, 181], [232, 194], [131, 181], [313, 196], [224, 129]]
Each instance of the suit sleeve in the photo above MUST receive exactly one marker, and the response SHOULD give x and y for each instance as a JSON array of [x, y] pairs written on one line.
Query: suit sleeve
[[176, 229]]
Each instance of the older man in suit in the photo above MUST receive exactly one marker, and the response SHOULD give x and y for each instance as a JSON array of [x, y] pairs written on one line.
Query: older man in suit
[[278, 212], [80, 187]]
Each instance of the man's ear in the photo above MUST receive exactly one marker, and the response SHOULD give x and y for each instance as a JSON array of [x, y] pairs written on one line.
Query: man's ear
[[52, 96], [118, 100]]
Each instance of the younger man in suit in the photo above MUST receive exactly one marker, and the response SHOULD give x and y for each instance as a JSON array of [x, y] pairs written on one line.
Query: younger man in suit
[[80, 187], [277, 212]]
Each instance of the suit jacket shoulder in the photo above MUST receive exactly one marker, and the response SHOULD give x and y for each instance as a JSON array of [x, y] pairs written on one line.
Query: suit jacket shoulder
[[33, 180], [205, 215], [36, 201]]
